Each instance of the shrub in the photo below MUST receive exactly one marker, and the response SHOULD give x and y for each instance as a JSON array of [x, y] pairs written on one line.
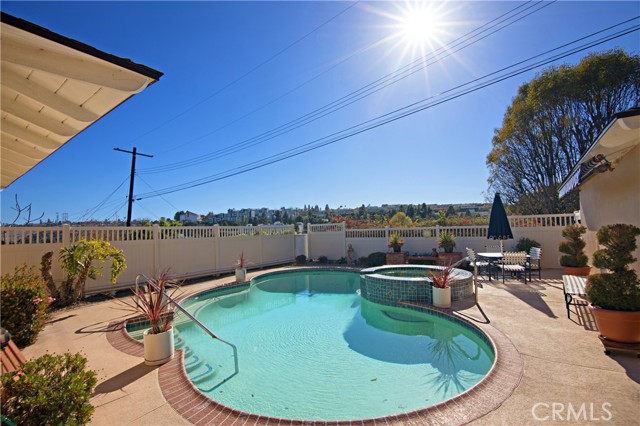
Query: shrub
[[525, 244], [620, 289], [573, 247], [23, 304], [77, 263], [377, 258], [54, 390], [323, 259], [301, 259]]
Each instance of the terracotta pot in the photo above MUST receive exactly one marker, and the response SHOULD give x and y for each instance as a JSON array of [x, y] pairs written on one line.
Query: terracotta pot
[[580, 271], [619, 326], [441, 297], [158, 348]]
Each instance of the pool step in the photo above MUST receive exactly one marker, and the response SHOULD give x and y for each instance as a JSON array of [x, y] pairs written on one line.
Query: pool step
[[205, 372]]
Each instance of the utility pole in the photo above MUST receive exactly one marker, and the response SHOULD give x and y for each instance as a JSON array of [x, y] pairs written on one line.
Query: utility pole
[[133, 172]]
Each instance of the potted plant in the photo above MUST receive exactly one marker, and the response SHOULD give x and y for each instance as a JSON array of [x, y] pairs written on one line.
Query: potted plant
[[574, 260], [395, 242], [149, 301], [440, 285], [241, 268], [447, 241], [615, 295]]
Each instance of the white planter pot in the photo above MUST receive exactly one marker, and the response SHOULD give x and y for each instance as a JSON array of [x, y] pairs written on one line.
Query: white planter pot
[[158, 348], [241, 274], [441, 297]]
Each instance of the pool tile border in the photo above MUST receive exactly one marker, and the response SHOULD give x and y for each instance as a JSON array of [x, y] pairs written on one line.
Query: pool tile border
[[486, 396]]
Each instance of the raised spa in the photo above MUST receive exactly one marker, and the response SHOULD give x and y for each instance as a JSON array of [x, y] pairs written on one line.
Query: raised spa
[[392, 284], [311, 348]]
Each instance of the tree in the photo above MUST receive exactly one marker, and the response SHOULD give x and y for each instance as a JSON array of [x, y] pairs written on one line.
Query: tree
[[551, 123], [400, 220]]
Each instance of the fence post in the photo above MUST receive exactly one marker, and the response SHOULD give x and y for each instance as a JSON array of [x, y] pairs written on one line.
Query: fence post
[[344, 239], [260, 245], [437, 232], [155, 237], [216, 245], [66, 235]]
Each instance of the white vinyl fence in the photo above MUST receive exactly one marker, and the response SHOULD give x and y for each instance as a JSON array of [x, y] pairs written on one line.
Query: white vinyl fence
[[189, 251], [199, 251], [333, 240]]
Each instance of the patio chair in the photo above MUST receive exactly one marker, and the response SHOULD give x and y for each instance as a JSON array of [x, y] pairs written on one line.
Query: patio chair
[[533, 263], [474, 262], [514, 263]]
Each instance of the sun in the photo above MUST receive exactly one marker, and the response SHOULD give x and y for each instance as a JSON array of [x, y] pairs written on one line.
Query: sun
[[419, 27]]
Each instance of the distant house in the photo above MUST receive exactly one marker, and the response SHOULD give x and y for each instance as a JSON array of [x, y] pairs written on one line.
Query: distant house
[[608, 177], [189, 217]]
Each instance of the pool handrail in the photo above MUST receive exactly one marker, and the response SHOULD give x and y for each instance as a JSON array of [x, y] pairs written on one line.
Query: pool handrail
[[202, 326]]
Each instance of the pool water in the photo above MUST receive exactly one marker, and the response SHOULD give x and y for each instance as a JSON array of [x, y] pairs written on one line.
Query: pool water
[[310, 348]]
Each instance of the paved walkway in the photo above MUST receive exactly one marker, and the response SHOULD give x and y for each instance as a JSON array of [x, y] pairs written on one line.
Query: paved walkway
[[567, 378]]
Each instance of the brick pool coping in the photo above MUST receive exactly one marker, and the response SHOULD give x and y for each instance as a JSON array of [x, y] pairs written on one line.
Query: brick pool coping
[[498, 385]]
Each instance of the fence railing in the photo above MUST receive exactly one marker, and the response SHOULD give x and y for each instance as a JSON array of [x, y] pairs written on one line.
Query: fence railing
[[333, 239], [189, 251]]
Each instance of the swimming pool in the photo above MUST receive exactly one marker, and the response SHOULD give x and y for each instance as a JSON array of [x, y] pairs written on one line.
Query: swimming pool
[[311, 348]]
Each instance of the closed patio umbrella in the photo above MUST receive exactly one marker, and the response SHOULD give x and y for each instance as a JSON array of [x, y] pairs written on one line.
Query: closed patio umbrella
[[499, 228]]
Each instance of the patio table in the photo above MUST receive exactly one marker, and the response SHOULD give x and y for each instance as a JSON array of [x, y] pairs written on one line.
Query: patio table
[[493, 257]]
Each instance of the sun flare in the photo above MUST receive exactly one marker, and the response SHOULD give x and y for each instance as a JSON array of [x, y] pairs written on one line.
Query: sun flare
[[419, 26]]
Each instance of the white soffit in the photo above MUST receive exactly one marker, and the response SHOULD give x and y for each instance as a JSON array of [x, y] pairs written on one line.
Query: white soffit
[[52, 89]]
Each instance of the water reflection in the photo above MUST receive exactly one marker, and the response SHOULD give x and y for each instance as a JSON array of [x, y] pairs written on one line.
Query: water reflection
[[458, 357]]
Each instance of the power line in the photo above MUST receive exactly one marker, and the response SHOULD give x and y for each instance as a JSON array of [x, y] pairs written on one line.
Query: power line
[[102, 203], [393, 115], [153, 189], [247, 73], [354, 96], [161, 168]]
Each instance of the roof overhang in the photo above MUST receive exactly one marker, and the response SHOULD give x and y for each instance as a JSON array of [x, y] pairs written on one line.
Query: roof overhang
[[621, 136], [53, 88]]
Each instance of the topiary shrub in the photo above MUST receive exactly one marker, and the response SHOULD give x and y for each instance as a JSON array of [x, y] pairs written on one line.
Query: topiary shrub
[[573, 247], [618, 290], [23, 304], [525, 244], [301, 259], [52, 390], [377, 258], [323, 260]]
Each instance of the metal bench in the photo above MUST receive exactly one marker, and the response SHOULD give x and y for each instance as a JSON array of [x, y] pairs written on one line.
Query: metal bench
[[573, 285]]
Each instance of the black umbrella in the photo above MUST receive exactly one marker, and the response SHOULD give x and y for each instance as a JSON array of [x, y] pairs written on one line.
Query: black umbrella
[[499, 228]]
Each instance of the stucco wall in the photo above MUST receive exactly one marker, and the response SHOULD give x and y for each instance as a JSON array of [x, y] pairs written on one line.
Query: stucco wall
[[612, 197]]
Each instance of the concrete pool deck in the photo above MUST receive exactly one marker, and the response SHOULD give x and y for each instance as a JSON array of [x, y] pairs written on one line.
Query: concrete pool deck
[[566, 378]]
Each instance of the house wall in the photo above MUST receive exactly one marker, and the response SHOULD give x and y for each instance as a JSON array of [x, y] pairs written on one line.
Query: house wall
[[612, 197]]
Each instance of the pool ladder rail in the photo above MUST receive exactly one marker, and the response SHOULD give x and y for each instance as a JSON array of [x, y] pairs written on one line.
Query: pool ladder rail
[[204, 328]]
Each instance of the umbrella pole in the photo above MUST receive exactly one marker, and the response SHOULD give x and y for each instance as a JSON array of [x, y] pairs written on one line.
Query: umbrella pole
[[501, 248]]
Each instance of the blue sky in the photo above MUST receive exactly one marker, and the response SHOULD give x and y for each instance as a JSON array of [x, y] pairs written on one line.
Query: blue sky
[[236, 70]]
